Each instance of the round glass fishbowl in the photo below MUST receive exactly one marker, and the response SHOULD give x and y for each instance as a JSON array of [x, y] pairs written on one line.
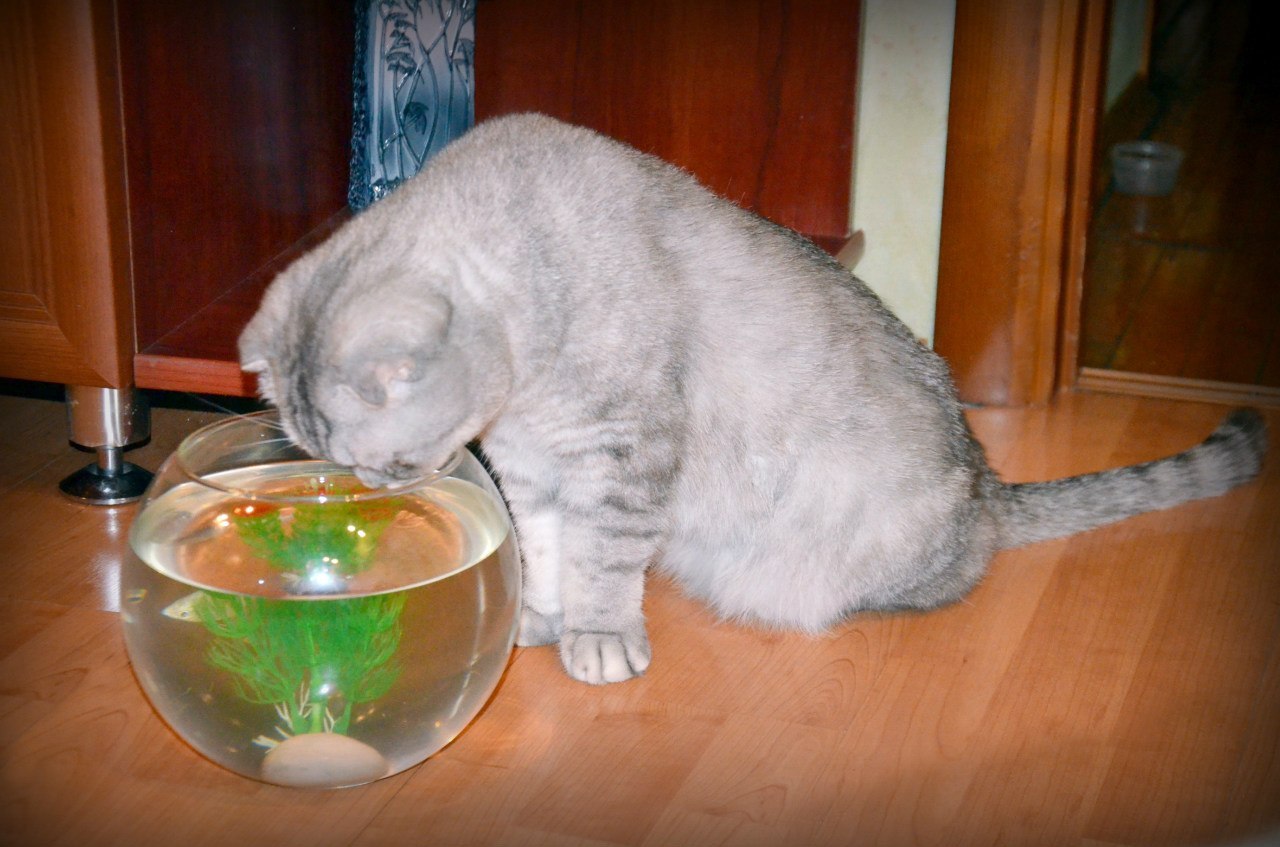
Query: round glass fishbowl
[[299, 628]]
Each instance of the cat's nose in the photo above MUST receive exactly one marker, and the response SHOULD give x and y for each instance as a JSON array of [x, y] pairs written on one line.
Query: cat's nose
[[401, 470], [370, 478]]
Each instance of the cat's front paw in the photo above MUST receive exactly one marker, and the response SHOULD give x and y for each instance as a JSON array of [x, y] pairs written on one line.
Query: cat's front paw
[[537, 629], [600, 657]]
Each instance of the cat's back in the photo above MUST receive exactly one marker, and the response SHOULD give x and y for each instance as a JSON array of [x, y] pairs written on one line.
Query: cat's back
[[530, 152], [764, 312]]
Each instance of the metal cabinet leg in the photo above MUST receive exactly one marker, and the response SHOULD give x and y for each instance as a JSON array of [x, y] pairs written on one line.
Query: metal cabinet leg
[[107, 420]]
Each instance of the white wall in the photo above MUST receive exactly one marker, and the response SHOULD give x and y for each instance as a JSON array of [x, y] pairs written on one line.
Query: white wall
[[900, 150], [1126, 46]]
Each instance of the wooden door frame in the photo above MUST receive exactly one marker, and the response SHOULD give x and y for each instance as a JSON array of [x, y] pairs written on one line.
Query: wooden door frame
[[1025, 96]]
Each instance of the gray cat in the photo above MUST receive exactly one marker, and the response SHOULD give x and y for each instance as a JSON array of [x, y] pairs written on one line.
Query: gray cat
[[659, 377]]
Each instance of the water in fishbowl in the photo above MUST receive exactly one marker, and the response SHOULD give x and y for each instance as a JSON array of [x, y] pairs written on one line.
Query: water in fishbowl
[[325, 642]]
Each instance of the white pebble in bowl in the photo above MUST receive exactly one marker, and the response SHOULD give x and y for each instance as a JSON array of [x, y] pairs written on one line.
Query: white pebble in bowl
[[323, 760]]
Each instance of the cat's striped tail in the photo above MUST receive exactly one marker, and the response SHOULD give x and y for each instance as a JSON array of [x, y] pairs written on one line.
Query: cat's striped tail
[[1037, 511]]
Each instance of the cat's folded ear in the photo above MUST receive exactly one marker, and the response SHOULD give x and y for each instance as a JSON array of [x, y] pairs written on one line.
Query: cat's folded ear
[[259, 340], [254, 348], [255, 358]]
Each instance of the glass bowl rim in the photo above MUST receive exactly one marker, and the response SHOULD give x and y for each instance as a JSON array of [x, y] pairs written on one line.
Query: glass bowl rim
[[270, 418]]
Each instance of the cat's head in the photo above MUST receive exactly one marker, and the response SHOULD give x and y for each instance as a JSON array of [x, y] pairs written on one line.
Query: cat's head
[[386, 377]]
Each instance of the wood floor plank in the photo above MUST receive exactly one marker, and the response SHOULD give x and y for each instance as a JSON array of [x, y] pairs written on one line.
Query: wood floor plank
[[1056, 708], [47, 666], [471, 791], [33, 435], [1001, 783], [759, 782], [1120, 270], [94, 764], [1186, 732], [1120, 687], [1171, 311], [68, 553], [597, 794], [1240, 321], [63, 552], [1256, 790], [20, 621]]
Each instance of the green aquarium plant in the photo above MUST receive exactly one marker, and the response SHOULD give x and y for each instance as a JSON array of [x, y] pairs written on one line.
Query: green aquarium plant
[[314, 660], [339, 536]]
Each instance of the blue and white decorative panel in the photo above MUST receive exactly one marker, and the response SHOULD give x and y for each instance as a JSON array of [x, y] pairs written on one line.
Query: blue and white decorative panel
[[413, 88]]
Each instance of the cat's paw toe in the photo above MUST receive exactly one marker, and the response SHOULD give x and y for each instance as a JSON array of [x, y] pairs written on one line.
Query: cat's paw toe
[[601, 657], [537, 629]]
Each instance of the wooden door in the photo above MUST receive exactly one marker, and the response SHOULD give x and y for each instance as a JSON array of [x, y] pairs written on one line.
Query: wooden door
[[65, 306], [1024, 98]]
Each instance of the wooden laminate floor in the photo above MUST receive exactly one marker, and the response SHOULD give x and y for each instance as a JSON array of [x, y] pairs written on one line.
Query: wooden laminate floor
[[1118, 688]]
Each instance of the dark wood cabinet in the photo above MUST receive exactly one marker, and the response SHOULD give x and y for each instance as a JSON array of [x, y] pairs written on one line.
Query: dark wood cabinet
[[237, 120], [754, 97], [164, 160]]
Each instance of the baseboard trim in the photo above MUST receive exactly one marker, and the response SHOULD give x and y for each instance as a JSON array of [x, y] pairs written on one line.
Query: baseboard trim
[[1177, 388]]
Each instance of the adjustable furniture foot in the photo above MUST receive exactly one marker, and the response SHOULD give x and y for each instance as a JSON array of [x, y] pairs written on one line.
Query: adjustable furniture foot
[[107, 420]]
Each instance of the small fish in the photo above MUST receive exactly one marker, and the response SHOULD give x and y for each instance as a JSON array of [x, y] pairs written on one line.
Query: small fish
[[184, 608]]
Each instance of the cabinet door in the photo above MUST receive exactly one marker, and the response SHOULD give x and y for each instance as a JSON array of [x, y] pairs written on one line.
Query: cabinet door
[[65, 303], [754, 97]]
